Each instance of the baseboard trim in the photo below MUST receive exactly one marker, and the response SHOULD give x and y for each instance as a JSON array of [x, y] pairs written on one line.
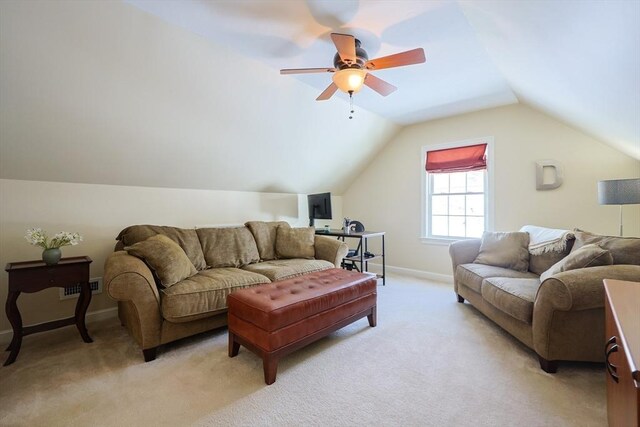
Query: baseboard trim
[[428, 275], [421, 274], [92, 316]]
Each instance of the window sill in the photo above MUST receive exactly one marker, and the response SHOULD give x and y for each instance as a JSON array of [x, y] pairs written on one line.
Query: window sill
[[437, 241]]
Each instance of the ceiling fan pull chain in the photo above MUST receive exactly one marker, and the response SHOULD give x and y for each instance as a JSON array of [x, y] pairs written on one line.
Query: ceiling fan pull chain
[[351, 104]]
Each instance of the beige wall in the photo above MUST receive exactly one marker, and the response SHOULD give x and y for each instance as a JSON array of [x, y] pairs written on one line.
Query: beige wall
[[99, 212], [105, 93], [387, 195]]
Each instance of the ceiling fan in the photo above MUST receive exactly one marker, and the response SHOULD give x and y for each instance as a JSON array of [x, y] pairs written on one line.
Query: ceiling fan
[[352, 67]]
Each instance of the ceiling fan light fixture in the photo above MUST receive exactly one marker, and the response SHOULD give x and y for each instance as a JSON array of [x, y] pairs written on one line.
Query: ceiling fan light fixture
[[349, 79]]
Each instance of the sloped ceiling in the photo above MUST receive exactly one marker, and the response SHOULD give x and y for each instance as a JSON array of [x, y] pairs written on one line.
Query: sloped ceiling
[[104, 93], [187, 94], [576, 60], [458, 76]]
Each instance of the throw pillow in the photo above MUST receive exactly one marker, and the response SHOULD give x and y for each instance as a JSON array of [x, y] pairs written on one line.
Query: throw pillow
[[587, 256], [295, 242], [624, 250], [540, 263], [547, 246], [265, 235], [505, 249], [228, 246], [165, 257], [185, 237]]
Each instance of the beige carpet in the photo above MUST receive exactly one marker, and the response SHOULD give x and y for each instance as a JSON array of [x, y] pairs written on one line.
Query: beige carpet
[[429, 362]]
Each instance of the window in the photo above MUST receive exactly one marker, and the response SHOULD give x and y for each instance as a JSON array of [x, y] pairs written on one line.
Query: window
[[456, 196], [456, 204]]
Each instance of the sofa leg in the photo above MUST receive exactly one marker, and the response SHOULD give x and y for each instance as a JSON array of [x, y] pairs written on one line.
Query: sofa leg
[[549, 366], [150, 354], [460, 299]]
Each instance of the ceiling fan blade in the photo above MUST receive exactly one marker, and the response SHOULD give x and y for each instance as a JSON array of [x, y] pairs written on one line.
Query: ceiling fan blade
[[379, 85], [415, 56], [328, 92], [346, 45], [306, 70]]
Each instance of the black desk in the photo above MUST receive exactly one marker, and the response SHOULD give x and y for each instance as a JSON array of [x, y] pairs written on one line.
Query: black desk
[[359, 258]]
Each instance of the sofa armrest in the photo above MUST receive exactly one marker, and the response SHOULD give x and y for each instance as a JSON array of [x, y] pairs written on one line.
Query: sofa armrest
[[568, 312], [463, 252], [582, 289], [332, 250], [129, 280]]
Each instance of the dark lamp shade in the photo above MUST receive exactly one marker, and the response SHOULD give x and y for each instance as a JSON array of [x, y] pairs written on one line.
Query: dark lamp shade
[[619, 192]]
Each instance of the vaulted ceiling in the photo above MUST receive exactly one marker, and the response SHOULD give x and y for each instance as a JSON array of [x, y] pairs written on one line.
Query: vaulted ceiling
[[187, 94], [577, 60]]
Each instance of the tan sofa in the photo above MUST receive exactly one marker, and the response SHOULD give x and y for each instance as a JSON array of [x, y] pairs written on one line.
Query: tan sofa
[[560, 318], [225, 259]]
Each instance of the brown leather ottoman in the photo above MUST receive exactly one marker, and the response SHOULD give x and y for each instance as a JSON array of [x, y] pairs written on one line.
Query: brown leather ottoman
[[275, 319]]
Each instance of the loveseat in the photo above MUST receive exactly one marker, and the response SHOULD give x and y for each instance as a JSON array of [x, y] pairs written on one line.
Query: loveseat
[[173, 282], [547, 301]]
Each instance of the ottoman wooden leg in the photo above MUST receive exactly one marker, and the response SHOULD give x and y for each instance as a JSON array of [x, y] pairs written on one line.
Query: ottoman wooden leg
[[373, 317], [234, 346], [270, 366]]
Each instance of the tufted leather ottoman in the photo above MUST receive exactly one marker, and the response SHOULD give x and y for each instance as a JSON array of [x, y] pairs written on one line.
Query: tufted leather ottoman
[[275, 319]]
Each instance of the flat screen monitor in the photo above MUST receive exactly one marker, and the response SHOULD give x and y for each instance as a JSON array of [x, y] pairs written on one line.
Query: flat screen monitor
[[319, 206]]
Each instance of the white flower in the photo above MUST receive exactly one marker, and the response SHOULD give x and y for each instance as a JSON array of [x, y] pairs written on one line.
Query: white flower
[[37, 237]]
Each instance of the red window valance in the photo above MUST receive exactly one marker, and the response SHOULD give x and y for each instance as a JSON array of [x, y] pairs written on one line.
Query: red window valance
[[459, 159]]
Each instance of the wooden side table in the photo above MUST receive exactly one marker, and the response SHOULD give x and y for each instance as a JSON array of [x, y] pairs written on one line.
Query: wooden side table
[[34, 276], [622, 351]]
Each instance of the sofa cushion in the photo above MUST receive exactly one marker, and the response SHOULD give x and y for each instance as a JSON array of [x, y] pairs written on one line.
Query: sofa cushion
[[514, 297], [625, 250], [505, 249], [186, 238], [265, 235], [547, 246], [472, 275], [281, 269], [165, 257], [540, 263], [228, 246], [205, 293], [590, 255], [295, 242]]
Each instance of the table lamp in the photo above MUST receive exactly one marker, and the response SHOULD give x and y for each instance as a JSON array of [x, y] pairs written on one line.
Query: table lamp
[[619, 192]]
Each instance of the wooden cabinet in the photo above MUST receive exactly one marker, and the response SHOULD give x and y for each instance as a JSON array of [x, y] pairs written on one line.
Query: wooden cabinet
[[622, 317]]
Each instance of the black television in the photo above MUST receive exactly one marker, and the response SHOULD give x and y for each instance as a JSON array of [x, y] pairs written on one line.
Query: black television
[[319, 207]]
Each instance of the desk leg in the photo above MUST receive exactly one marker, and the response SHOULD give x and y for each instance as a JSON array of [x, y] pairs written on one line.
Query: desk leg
[[13, 314], [81, 310], [384, 262], [366, 249]]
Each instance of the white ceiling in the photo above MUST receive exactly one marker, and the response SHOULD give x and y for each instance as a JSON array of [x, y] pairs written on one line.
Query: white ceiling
[[100, 92], [577, 60], [188, 95]]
